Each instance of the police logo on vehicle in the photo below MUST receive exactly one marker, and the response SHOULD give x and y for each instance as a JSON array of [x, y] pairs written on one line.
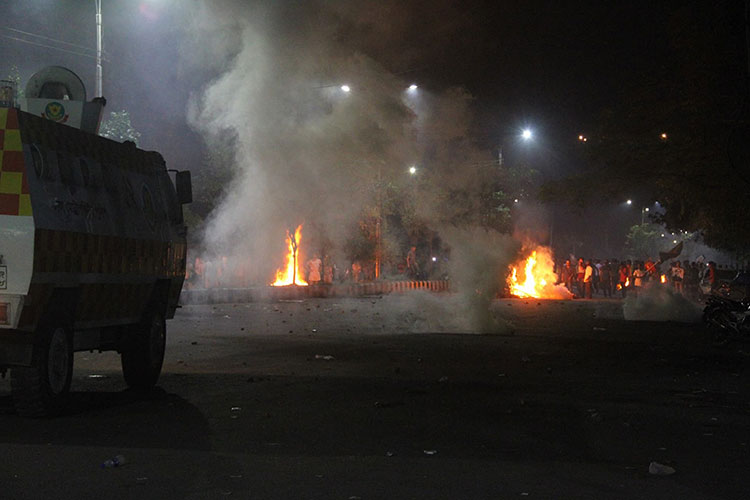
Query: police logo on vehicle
[[55, 111]]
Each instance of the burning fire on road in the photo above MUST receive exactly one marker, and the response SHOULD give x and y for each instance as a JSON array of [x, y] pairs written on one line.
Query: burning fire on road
[[534, 277], [291, 272]]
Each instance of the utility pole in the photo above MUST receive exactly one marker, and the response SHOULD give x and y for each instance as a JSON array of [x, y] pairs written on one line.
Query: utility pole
[[98, 4]]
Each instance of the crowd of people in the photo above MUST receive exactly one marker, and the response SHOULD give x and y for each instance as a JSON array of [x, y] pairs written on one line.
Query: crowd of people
[[613, 278]]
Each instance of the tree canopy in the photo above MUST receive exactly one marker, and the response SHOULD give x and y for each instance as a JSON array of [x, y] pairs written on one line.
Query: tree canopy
[[118, 127], [681, 135]]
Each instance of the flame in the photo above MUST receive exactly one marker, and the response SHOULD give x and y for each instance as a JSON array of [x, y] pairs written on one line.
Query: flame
[[288, 275], [663, 278], [538, 277]]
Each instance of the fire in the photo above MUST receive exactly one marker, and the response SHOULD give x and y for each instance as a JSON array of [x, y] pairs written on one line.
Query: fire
[[291, 273], [663, 278], [538, 277]]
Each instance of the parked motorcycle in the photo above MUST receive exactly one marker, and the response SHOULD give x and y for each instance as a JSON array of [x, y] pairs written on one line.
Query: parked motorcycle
[[727, 319]]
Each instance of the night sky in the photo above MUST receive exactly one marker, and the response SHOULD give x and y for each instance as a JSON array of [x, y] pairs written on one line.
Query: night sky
[[552, 66]]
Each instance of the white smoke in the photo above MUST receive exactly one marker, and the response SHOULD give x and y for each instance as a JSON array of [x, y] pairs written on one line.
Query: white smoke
[[657, 302]]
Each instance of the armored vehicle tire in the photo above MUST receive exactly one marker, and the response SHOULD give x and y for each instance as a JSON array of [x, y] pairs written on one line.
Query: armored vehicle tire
[[43, 389], [143, 353]]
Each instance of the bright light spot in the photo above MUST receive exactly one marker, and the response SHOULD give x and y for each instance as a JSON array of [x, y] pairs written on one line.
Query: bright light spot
[[515, 201], [629, 202], [662, 235], [346, 88], [674, 241], [412, 170], [434, 259], [526, 134], [645, 209], [663, 136], [413, 87]]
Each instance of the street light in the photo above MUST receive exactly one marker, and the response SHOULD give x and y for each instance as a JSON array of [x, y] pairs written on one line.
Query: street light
[[413, 87], [346, 88], [629, 202], [98, 4], [526, 134], [412, 170]]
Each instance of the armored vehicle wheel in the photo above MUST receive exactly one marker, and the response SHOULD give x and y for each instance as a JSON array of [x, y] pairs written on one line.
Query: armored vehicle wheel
[[43, 389], [143, 353]]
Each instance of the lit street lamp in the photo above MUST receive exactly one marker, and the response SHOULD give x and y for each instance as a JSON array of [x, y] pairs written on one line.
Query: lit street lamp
[[412, 170], [526, 134], [346, 88]]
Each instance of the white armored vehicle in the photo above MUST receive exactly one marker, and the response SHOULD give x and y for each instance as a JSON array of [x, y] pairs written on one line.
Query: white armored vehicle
[[92, 243]]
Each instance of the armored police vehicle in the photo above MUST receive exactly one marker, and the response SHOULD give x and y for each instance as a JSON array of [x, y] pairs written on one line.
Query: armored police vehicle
[[92, 243]]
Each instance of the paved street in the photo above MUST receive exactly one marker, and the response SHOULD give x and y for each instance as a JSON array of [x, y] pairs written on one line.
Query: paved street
[[340, 398]]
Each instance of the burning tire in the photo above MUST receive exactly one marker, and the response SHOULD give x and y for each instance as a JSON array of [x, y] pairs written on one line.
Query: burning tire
[[143, 354], [43, 389]]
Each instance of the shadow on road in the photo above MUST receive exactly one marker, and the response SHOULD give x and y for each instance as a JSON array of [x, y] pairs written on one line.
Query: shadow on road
[[128, 418]]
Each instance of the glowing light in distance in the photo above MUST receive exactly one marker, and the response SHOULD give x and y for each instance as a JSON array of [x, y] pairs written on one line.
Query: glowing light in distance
[[434, 259], [663, 136], [413, 87], [629, 202], [412, 170], [526, 134], [346, 88], [645, 209], [515, 201]]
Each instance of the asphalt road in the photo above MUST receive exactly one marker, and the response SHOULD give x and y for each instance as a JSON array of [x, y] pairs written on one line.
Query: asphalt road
[[340, 399]]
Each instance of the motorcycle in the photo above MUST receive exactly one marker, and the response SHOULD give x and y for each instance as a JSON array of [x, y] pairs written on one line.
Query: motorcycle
[[727, 319]]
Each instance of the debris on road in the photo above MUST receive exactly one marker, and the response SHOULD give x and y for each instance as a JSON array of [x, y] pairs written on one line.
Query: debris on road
[[657, 469], [117, 461]]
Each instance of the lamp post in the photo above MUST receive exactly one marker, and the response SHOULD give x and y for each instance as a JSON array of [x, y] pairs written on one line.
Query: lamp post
[[98, 4]]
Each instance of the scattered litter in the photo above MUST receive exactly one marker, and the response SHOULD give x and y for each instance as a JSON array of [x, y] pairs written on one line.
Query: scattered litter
[[443, 379], [96, 375], [326, 357], [599, 329], [430, 452], [657, 469], [117, 461]]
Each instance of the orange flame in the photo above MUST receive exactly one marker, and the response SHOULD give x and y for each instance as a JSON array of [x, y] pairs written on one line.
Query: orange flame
[[663, 278], [288, 275], [538, 277], [627, 281]]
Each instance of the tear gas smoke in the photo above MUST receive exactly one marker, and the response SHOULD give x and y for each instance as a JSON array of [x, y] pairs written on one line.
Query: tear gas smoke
[[305, 152], [656, 302]]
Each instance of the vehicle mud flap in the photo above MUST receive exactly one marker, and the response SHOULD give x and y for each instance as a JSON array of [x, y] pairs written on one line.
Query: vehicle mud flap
[[43, 389], [142, 354]]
